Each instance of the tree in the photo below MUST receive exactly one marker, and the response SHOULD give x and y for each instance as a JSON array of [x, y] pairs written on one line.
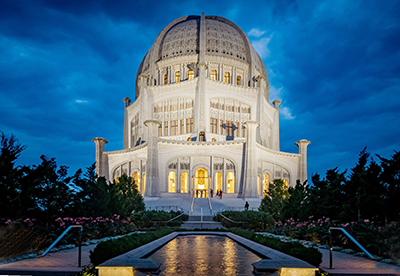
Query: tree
[[390, 178], [296, 205], [275, 198], [10, 175], [127, 198]]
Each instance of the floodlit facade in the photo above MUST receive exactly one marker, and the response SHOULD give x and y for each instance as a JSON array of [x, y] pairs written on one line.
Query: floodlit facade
[[201, 118]]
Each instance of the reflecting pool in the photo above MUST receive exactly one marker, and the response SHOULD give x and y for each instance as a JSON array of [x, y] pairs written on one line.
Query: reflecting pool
[[204, 255]]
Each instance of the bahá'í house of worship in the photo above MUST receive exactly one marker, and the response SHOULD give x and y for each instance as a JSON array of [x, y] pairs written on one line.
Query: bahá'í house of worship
[[201, 118]]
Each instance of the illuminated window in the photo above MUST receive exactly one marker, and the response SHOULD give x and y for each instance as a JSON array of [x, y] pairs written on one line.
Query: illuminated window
[[259, 184], [243, 131], [184, 182], [143, 183], [229, 128], [236, 129], [230, 185], [166, 128], [177, 76], [286, 184], [174, 107], [202, 136], [213, 139], [189, 125], [218, 181], [172, 182], [166, 79], [136, 178], [214, 74], [201, 183], [189, 139], [182, 126], [266, 181], [227, 77], [160, 130], [213, 125], [191, 74], [238, 80], [174, 127], [221, 127]]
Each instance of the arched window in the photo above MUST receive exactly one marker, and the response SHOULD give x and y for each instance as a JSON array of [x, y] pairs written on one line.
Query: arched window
[[177, 76], [218, 181], [285, 184], [191, 74], [172, 182], [184, 182], [266, 181], [230, 184], [259, 184], [227, 77], [143, 183], [238, 80], [136, 178], [166, 79], [214, 75]]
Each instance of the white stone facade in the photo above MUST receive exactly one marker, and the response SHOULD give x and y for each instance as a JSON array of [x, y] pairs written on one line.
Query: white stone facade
[[201, 118]]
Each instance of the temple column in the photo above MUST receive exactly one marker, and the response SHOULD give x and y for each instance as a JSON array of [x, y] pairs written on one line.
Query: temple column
[[250, 178], [127, 101], [302, 173], [275, 137], [101, 159], [152, 174]]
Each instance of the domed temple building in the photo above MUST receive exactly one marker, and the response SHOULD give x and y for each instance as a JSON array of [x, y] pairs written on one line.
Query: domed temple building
[[201, 118]]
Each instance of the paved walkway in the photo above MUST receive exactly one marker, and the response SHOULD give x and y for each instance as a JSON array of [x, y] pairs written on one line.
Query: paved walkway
[[66, 261], [343, 263]]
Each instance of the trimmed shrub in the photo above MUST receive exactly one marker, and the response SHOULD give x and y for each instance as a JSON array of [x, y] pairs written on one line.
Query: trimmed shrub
[[151, 219], [109, 249], [297, 250], [246, 219]]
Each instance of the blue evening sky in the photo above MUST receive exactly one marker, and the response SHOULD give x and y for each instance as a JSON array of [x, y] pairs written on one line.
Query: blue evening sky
[[65, 67]]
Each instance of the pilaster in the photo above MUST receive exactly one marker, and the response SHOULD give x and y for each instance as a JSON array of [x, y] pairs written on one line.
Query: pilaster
[[101, 159], [302, 144], [127, 102], [152, 173], [250, 178], [275, 142]]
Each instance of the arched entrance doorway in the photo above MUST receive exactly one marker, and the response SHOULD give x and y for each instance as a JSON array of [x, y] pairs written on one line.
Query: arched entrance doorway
[[201, 183]]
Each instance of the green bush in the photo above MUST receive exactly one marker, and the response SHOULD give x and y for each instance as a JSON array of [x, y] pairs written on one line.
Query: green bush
[[151, 219], [245, 219], [109, 249], [297, 250]]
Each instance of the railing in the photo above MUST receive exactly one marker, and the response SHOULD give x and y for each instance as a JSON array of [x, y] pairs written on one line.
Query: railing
[[62, 235], [165, 208], [175, 217], [351, 238], [228, 219], [209, 203], [191, 207]]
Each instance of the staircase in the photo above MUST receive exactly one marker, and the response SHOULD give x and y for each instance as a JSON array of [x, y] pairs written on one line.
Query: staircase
[[201, 222]]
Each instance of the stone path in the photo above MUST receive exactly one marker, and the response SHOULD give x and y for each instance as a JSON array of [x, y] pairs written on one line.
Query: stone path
[[343, 263], [66, 263]]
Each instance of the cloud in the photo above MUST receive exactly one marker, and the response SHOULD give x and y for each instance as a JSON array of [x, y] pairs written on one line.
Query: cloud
[[81, 101], [255, 32], [286, 113], [261, 46]]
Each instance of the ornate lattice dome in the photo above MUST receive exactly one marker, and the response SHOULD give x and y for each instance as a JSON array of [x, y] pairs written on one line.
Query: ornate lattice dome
[[222, 38]]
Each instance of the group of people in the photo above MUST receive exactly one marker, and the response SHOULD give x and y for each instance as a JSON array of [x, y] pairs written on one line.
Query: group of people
[[218, 194]]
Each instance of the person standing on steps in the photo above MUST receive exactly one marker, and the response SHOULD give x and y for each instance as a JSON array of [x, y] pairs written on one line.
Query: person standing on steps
[[220, 194], [246, 206], [211, 192]]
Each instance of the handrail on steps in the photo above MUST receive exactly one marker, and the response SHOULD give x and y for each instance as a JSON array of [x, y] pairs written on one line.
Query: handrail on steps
[[175, 217], [62, 235], [191, 208], [230, 219], [351, 238], [209, 203]]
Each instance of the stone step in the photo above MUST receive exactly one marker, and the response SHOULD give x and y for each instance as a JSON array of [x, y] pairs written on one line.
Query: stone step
[[198, 218], [201, 225]]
